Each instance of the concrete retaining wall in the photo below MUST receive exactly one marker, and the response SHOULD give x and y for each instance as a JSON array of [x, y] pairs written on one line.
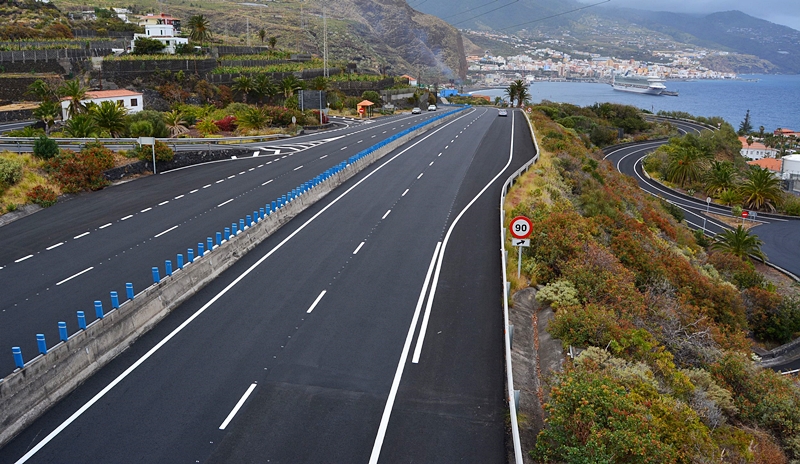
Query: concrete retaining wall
[[28, 392]]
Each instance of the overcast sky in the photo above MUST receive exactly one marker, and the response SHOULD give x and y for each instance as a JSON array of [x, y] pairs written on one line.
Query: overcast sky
[[786, 12]]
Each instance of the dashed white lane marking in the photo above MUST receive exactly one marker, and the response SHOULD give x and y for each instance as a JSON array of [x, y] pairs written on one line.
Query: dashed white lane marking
[[239, 174], [163, 203], [404, 193], [420, 175], [23, 258], [179, 197], [384, 216], [54, 246], [298, 167], [267, 182], [168, 230], [105, 225], [81, 235], [75, 275], [446, 147], [207, 186], [194, 191], [231, 177], [251, 169], [238, 406], [439, 154], [145, 210], [221, 180], [316, 302], [452, 141], [359, 141], [260, 166], [384, 132], [224, 203], [343, 148], [126, 217], [358, 248], [323, 156], [373, 136], [431, 164]]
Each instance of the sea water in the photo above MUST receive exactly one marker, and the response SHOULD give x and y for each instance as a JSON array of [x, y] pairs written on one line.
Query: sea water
[[773, 100]]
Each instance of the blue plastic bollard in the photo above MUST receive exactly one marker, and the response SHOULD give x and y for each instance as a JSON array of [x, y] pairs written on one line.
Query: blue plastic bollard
[[180, 261], [200, 250], [219, 238], [42, 344], [242, 224], [273, 206], [267, 211], [255, 218], [129, 290], [227, 233], [98, 309], [156, 278], [209, 244], [233, 228], [17, 352], [81, 320], [62, 331], [168, 267], [262, 212], [114, 300], [189, 255]]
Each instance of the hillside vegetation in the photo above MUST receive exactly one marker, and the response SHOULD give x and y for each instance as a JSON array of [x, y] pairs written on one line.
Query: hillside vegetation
[[666, 374]]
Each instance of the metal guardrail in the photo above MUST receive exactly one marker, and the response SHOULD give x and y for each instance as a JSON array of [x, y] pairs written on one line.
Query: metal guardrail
[[170, 141], [512, 394]]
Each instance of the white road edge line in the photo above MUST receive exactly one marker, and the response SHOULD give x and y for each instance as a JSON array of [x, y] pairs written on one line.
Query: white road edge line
[[54, 246], [224, 203], [423, 329], [358, 248], [75, 275], [168, 230], [32, 452], [384, 216], [387, 410], [316, 302], [238, 406], [23, 258], [81, 235]]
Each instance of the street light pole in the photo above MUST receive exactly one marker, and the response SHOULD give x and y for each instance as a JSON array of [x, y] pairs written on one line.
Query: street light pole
[[708, 205]]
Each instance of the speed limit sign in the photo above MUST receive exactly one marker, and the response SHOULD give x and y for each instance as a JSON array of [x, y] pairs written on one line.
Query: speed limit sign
[[520, 227]]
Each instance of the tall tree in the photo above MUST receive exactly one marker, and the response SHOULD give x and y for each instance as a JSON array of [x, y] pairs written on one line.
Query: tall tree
[[47, 112], [761, 189], [272, 41], [523, 96], [76, 93], [262, 34], [200, 29], [739, 242], [110, 116], [746, 126], [511, 93], [265, 87], [244, 85]]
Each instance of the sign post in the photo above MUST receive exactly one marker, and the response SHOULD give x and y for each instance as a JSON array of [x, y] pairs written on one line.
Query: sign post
[[152, 142], [521, 228], [745, 213], [708, 205]]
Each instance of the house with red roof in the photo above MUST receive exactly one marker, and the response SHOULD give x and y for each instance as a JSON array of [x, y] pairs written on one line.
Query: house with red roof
[[773, 164], [756, 150], [132, 101]]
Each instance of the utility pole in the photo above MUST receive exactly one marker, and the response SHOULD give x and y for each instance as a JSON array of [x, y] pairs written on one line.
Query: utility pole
[[248, 31], [325, 41]]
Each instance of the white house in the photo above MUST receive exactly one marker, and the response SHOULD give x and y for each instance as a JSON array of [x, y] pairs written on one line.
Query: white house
[[756, 150], [164, 33], [132, 101]]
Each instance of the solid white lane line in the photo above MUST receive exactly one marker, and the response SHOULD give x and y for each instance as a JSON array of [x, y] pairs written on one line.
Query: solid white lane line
[[314, 304], [238, 406], [420, 175], [104, 226], [54, 246], [423, 329], [267, 182], [207, 186], [387, 410], [163, 203], [224, 203], [168, 230], [179, 197], [298, 167], [384, 216], [102, 393], [404, 193], [126, 217], [323, 156], [358, 248], [75, 275], [145, 210], [81, 235], [23, 258]]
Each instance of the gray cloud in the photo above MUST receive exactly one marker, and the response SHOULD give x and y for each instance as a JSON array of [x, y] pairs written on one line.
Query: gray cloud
[[786, 12]]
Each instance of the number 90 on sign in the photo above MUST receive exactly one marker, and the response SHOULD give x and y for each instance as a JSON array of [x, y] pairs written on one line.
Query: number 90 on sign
[[520, 227]]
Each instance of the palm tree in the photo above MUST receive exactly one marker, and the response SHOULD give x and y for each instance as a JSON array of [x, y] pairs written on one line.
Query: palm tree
[[289, 85], [47, 112], [76, 92], [265, 87], [272, 41], [721, 176], [262, 34], [243, 85], [80, 126], [739, 242], [253, 119], [110, 116], [42, 90], [729, 197], [511, 93], [523, 96], [761, 189], [319, 83], [175, 123], [685, 164], [200, 29]]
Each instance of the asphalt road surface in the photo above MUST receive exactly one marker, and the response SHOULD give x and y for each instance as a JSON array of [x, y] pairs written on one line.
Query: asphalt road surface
[[367, 329]]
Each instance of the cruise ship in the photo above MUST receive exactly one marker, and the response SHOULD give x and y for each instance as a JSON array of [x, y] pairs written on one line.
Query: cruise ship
[[628, 82]]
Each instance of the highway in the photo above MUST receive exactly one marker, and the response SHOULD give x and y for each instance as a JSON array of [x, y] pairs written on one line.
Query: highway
[[367, 329]]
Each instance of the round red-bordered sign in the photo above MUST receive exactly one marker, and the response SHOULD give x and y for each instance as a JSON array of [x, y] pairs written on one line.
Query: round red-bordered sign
[[745, 213], [520, 227]]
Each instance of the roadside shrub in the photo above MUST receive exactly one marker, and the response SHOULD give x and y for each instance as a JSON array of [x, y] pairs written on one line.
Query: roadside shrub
[[558, 294], [10, 172], [42, 196], [45, 148], [207, 127], [226, 124], [140, 129], [164, 153], [156, 119], [76, 172], [283, 116]]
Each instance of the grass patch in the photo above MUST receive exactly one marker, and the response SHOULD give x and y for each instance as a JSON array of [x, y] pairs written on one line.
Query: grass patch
[[33, 175]]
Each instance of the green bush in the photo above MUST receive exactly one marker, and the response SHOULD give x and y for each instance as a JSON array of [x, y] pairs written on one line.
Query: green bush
[[45, 148], [42, 196], [10, 172], [76, 172], [164, 153], [558, 294], [160, 129], [140, 129]]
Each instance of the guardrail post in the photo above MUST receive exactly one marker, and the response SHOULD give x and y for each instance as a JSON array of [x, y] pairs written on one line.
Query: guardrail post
[[114, 300], [200, 251], [62, 331], [189, 255], [98, 309], [17, 352], [516, 400], [168, 267], [156, 278], [129, 290], [41, 343], [180, 261], [209, 243], [81, 320]]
